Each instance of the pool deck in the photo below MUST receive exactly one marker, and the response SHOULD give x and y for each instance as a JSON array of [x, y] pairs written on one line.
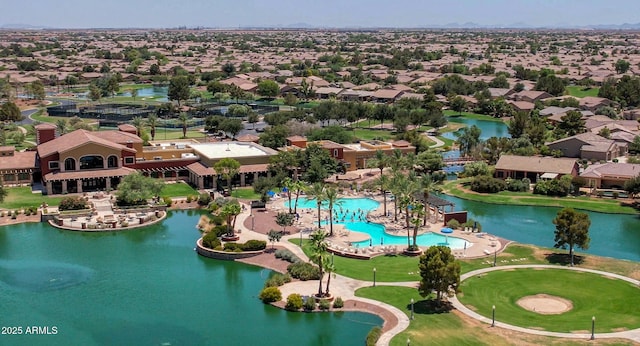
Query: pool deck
[[481, 244]]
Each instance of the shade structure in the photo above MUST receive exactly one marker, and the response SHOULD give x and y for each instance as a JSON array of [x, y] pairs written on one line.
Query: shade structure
[[446, 230]]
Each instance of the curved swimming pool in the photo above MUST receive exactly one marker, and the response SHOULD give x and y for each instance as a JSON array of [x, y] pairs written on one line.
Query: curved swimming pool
[[352, 213]]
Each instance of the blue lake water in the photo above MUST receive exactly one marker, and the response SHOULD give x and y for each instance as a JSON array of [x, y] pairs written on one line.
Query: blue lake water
[[147, 287], [352, 212], [488, 128], [612, 235]]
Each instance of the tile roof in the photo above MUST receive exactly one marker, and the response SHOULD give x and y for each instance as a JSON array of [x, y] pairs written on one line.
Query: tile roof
[[99, 173], [82, 137], [612, 170], [19, 160], [536, 164]]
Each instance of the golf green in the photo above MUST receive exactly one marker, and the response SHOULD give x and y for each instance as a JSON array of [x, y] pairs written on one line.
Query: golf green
[[613, 302]]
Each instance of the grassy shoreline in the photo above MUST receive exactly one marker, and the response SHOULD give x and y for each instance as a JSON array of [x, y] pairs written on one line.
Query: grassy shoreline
[[609, 206]]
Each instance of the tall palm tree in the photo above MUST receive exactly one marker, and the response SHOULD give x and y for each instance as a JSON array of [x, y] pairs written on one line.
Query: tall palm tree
[[230, 211], [428, 185], [138, 122], [417, 209], [183, 118], [384, 182], [329, 268], [380, 161], [319, 253], [288, 183], [331, 197], [317, 192], [298, 188], [152, 122]]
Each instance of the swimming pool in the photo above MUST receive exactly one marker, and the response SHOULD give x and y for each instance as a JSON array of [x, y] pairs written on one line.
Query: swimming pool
[[352, 213]]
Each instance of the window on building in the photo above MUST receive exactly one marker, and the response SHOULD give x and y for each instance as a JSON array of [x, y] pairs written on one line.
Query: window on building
[[128, 160], [9, 177], [335, 152], [112, 161], [91, 162], [70, 164], [54, 165], [24, 176]]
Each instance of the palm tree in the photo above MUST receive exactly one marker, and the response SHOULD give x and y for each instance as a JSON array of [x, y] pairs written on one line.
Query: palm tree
[[230, 211], [288, 183], [418, 211], [329, 268], [228, 168], [138, 122], [298, 188], [152, 122], [183, 118], [428, 185], [319, 253], [61, 124], [331, 196], [380, 161], [384, 182], [317, 192]]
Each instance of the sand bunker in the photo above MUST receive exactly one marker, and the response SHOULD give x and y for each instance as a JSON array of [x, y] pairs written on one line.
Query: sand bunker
[[545, 304]]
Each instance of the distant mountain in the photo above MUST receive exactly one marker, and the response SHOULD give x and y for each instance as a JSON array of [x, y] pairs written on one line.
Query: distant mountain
[[23, 26]]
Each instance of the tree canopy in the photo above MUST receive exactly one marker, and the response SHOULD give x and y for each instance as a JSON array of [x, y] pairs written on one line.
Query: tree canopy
[[136, 189], [268, 88], [228, 168], [572, 229], [439, 270], [179, 89]]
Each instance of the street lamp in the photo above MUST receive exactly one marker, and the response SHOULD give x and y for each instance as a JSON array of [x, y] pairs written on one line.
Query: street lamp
[[374, 277], [412, 301], [253, 222], [493, 316], [495, 255], [593, 328]]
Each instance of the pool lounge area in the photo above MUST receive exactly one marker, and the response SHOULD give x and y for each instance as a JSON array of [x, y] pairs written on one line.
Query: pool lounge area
[[362, 230]]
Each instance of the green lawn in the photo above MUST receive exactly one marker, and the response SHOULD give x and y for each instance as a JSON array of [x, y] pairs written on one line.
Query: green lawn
[[365, 134], [21, 197], [580, 91], [614, 303], [245, 193], [178, 190], [526, 198], [476, 116]]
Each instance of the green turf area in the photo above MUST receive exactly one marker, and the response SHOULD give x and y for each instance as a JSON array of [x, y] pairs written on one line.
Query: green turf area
[[601, 205], [245, 193], [512, 252], [613, 302], [178, 190], [580, 91], [21, 197], [429, 327], [365, 135], [468, 115]]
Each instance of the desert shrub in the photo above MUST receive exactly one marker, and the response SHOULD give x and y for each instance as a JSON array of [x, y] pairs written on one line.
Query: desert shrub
[[556, 187], [73, 203], [304, 271], [270, 295], [324, 305], [287, 255], [373, 336], [189, 199], [309, 304], [294, 302], [254, 245], [338, 303], [471, 223], [453, 223], [167, 201], [204, 199], [219, 230], [487, 184], [211, 241], [277, 279]]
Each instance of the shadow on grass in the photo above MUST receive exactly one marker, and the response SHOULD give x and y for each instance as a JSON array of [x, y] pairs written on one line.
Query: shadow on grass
[[564, 259], [430, 306]]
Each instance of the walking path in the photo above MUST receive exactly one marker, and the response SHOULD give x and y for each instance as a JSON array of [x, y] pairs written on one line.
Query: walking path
[[345, 288], [633, 334]]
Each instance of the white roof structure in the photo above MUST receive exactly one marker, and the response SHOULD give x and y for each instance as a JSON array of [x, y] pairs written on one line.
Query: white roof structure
[[220, 150]]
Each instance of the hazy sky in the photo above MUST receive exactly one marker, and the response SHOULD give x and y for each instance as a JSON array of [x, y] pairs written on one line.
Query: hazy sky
[[326, 13]]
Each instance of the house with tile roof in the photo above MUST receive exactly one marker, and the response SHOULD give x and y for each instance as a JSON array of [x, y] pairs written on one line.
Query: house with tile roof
[[589, 146], [534, 167], [610, 175]]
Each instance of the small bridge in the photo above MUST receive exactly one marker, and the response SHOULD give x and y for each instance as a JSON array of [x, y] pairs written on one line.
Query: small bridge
[[459, 161]]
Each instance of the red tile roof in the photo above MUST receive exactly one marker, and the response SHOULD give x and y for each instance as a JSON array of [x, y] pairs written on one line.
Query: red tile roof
[[82, 137]]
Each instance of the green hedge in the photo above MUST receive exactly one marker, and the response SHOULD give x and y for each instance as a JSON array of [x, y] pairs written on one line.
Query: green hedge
[[251, 245], [373, 336], [270, 295], [211, 241], [304, 271], [294, 302]]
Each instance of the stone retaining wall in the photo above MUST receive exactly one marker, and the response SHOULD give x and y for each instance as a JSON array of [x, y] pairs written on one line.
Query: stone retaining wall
[[224, 255]]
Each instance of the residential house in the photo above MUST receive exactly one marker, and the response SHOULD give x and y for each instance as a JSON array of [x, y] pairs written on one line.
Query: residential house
[[17, 167], [610, 175], [592, 103], [535, 167], [588, 146], [531, 96]]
